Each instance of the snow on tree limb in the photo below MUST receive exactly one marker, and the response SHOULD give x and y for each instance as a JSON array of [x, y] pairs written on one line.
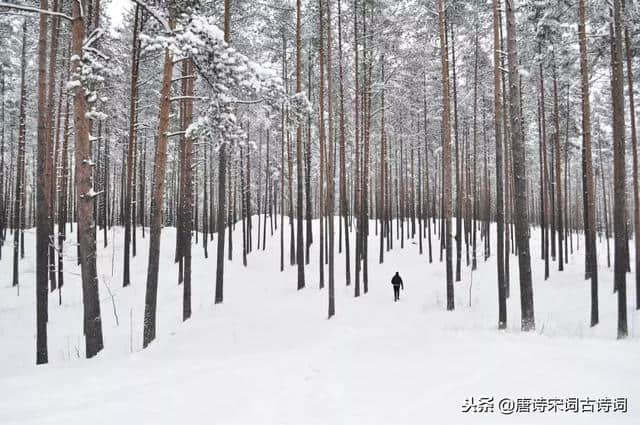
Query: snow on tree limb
[[155, 14], [34, 9]]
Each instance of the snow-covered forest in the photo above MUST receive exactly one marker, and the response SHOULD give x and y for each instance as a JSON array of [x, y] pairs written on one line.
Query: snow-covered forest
[[319, 211]]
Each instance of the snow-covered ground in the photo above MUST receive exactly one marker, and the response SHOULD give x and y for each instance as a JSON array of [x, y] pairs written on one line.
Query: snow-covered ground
[[268, 354]]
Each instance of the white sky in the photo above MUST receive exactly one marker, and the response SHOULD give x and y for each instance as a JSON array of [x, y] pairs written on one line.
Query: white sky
[[115, 9]]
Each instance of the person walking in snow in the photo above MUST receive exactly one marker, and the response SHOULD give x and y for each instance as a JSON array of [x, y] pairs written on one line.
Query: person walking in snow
[[396, 281]]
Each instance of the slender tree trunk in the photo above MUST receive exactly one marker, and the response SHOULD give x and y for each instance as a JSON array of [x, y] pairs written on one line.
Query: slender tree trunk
[[157, 194], [558, 169], [186, 182], [299, 203], [619, 171], [330, 169], [497, 98], [222, 187], [322, 143], [18, 205], [43, 219], [446, 152], [307, 175], [85, 201], [634, 145], [126, 280], [357, 178], [458, 236], [383, 218], [474, 261], [545, 181], [344, 210], [62, 203], [51, 184], [520, 177]]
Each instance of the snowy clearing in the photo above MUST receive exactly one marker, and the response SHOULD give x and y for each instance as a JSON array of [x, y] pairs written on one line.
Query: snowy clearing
[[268, 355]]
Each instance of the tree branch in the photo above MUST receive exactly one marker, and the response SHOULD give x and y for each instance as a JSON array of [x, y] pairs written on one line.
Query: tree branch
[[154, 13], [34, 9]]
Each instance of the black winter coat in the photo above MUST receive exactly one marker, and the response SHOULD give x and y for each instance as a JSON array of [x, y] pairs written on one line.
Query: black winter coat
[[397, 281]]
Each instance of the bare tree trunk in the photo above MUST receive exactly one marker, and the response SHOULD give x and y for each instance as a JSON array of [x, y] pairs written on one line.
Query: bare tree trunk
[[634, 145], [18, 205], [322, 142], [458, 236], [344, 210], [446, 152], [474, 261], [548, 233], [130, 151], [520, 177], [157, 194], [497, 98], [558, 168], [383, 216], [85, 202], [430, 211], [222, 189], [307, 174], [267, 192], [330, 169], [186, 183], [357, 178], [299, 159], [619, 171], [43, 219], [51, 76], [205, 203], [62, 203]]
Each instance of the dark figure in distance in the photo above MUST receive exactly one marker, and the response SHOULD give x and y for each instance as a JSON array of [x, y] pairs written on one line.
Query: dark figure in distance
[[396, 281]]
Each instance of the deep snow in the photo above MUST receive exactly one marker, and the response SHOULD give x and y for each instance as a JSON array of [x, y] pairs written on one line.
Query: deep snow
[[268, 354]]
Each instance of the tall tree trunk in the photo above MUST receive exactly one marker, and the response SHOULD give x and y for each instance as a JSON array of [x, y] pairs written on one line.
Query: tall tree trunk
[[330, 168], [322, 143], [51, 184], [43, 219], [186, 183], [344, 210], [474, 261], [222, 187], [157, 194], [634, 145], [558, 168], [85, 202], [357, 179], [548, 232], [130, 150], [520, 177], [446, 152], [619, 171], [18, 205], [458, 236], [383, 218], [299, 159], [497, 102], [589, 209], [307, 174], [63, 200]]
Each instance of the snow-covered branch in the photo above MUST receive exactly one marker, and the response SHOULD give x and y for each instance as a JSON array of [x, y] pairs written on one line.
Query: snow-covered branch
[[155, 14], [35, 9]]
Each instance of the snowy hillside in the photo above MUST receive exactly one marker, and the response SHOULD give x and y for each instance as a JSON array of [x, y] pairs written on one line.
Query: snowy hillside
[[268, 355]]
